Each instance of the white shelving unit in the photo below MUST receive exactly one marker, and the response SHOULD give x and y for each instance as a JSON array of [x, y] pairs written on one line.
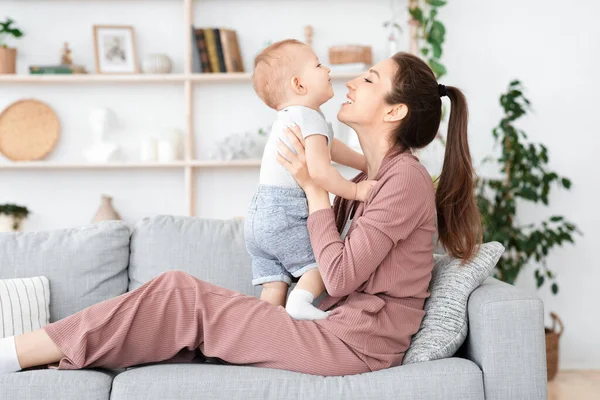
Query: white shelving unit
[[189, 164]]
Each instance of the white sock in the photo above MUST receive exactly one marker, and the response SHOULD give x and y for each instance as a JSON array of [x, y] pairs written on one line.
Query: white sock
[[299, 306], [8, 356]]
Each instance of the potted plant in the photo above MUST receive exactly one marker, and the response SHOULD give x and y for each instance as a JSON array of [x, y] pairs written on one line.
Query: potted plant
[[11, 217], [8, 55], [525, 177]]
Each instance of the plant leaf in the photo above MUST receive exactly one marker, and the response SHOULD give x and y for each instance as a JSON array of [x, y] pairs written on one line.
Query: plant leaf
[[554, 288]]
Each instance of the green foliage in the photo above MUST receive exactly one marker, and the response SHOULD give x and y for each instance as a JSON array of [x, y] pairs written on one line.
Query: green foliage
[[18, 212], [431, 32], [7, 30], [525, 178]]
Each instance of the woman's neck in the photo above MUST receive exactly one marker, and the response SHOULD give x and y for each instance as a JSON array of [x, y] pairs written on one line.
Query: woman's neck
[[374, 149]]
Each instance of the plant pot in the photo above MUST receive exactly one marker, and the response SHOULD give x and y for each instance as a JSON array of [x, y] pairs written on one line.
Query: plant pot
[[8, 223], [8, 60], [552, 337]]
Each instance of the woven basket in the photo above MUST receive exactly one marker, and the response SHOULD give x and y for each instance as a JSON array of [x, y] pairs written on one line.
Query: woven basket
[[552, 336]]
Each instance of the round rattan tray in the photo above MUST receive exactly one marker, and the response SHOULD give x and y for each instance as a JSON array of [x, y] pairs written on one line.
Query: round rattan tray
[[29, 130]]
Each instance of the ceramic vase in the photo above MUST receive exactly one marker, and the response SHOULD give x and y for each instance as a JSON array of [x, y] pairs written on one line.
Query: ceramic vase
[[106, 211], [157, 64], [8, 223]]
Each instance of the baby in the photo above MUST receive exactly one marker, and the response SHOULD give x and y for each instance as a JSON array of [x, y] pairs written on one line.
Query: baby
[[289, 78]]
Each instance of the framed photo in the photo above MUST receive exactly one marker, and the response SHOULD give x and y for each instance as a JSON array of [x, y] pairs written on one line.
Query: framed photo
[[114, 47]]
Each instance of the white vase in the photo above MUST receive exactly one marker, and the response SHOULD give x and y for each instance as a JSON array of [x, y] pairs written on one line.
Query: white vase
[[148, 150], [166, 151], [157, 64]]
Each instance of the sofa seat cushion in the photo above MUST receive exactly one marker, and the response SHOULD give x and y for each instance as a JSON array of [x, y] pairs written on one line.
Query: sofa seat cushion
[[50, 384], [211, 250], [452, 378], [84, 265]]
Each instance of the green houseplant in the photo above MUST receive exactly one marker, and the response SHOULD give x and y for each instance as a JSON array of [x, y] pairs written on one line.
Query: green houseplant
[[524, 177], [11, 217], [8, 55], [429, 33]]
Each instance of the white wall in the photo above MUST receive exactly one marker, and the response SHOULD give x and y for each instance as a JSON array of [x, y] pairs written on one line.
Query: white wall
[[549, 45]]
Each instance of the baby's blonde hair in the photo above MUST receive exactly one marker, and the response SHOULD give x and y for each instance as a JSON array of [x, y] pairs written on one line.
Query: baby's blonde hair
[[272, 69]]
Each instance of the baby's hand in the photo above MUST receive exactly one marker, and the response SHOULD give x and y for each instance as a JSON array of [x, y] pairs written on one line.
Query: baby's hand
[[363, 189]]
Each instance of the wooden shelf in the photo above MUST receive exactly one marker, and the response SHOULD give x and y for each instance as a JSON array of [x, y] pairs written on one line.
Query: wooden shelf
[[143, 78], [132, 165]]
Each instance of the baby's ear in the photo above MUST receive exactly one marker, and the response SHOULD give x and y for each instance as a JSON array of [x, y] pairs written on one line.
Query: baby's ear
[[297, 86]]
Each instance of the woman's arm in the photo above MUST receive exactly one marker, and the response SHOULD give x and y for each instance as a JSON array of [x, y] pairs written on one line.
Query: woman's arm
[[344, 155], [393, 213]]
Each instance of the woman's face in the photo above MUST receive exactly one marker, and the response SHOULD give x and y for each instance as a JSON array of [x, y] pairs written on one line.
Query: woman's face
[[366, 103]]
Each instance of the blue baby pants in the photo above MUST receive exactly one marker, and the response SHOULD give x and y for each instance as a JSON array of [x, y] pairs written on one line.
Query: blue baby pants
[[276, 235]]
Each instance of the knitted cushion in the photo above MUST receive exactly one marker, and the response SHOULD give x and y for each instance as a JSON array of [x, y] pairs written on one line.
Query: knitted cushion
[[444, 327]]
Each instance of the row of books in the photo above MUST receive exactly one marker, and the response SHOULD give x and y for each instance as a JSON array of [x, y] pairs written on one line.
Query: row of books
[[216, 50]]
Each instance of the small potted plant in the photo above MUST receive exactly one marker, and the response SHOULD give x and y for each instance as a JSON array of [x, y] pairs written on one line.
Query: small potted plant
[[8, 55], [11, 217]]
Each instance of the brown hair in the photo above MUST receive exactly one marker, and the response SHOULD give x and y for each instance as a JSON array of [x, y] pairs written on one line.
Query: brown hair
[[272, 67], [458, 218]]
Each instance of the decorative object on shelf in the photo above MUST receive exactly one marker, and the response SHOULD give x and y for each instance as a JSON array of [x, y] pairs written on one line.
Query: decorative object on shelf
[[393, 29], [526, 177], [65, 57], [249, 145], [218, 50], [166, 151], [552, 337], [350, 54], [308, 35], [66, 65], [148, 150], [106, 211], [115, 49], [157, 64], [101, 121], [8, 55], [12, 217], [29, 130], [175, 136]]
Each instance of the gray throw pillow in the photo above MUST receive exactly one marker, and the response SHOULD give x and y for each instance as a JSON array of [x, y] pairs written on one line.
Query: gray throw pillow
[[444, 327]]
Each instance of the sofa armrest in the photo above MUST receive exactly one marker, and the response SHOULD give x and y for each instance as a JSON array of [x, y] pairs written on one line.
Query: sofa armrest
[[506, 340]]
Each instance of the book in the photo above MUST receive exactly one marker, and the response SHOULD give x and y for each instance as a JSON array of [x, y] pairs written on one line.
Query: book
[[220, 55], [56, 69], [231, 51], [236, 54], [200, 42], [211, 47], [196, 63]]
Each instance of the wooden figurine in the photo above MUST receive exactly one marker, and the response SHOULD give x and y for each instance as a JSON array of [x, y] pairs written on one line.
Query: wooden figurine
[[66, 58], [308, 34]]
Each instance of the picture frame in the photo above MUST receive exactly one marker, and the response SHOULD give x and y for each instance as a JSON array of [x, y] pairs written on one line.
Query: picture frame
[[115, 49]]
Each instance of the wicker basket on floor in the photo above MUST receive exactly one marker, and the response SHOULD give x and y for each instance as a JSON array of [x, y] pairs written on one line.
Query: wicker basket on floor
[[552, 337]]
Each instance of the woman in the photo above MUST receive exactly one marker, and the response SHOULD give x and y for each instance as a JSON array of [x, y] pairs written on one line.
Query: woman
[[376, 277]]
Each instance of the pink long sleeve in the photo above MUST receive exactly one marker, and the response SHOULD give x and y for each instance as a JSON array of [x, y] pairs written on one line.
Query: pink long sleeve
[[395, 209]]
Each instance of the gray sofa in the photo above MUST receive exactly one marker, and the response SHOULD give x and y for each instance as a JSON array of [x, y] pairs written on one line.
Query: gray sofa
[[503, 357]]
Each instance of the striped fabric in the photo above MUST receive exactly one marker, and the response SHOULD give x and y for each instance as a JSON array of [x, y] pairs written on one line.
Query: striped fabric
[[24, 305]]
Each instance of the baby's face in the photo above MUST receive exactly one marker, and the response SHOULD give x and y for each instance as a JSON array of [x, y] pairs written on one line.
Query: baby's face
[[314, 76]]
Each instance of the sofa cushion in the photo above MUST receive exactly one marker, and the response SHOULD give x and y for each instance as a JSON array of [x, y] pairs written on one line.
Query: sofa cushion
[[444, 379], [24, 305], [444, 327], [84, 265], [212, 250], [56, 385]]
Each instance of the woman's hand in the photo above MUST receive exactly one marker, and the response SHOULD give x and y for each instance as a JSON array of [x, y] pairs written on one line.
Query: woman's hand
[[295, 164]]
